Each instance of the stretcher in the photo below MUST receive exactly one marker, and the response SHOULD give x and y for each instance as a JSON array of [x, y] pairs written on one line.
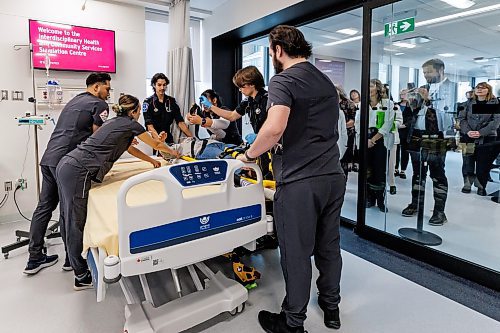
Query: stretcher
[[196, 213]]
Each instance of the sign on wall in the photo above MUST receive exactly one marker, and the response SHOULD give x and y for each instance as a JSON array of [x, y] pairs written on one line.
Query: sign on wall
[[399, 27]]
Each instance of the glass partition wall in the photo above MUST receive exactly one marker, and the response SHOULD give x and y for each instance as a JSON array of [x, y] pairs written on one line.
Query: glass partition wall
[[436, 65], [434, 77]]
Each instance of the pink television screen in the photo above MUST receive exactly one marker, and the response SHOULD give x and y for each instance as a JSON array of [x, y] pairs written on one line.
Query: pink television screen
[[72, 48]]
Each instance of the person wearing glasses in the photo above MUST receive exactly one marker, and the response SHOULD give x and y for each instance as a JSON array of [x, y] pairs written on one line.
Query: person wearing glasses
[[477, 128], [160, 110]]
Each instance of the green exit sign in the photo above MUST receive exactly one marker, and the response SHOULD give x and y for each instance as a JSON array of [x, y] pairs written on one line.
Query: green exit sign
[[400, 27]]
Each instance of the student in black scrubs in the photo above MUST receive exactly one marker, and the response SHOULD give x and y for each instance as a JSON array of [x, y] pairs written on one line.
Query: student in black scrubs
[[81, 116], [303, 110], [160, 110], [90, 161], [219, 128]]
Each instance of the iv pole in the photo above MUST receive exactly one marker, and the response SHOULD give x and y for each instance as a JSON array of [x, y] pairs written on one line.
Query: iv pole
[[53, 230]]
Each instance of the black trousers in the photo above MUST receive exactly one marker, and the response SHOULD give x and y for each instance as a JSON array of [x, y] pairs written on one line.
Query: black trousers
[[307, 219], [434, 162], [471, 158], [487, 154], [49, 198], [402, 154], [74, 183]]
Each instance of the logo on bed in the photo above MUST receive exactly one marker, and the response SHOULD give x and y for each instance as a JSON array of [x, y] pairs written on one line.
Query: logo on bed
[[204, 222]]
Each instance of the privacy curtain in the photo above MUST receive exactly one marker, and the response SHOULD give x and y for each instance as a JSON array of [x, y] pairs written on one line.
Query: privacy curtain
[[180, 60]]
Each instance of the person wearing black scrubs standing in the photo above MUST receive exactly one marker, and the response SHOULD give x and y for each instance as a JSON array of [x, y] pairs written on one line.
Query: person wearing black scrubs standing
[[160, 110], [301, 129], [81, 116], [220, 129], [90, 161]]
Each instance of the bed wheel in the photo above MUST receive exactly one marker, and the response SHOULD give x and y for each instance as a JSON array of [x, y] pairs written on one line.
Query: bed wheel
[[238, 309], [6, 255]]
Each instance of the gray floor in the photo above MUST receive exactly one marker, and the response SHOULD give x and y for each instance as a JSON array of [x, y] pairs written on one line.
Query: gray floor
[[374, 300], [473, 229]]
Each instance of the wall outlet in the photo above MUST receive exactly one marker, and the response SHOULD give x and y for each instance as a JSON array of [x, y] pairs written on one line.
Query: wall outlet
[[22, 183], [17, 95], [5, 95], [8, 186]]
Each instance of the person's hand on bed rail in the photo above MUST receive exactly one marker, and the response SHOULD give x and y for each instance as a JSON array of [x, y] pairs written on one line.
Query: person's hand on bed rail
[[156, 164], [135, 142]]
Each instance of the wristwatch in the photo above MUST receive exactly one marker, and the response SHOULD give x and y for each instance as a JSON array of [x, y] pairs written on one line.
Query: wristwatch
[[248, 158], [203, 121]]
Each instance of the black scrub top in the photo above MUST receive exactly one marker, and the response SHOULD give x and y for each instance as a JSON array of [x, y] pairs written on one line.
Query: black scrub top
[[256, 108], [309, 143], [98, 153], [161, 115], [74, 126]]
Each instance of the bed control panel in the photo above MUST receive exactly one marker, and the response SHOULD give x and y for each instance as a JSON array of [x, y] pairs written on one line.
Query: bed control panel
[[200, 173]]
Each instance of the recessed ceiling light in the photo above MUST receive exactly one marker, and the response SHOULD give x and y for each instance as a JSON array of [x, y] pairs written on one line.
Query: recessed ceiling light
[[324, 60], [348, 31], [399, 53], [446, 55], [462, 4], [480, 59], [405, 45]]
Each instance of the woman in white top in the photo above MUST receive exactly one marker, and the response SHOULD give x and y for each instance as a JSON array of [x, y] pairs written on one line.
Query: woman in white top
[[380, 139]]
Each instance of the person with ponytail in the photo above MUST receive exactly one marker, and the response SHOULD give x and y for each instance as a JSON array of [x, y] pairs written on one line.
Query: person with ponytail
[[90, 161]]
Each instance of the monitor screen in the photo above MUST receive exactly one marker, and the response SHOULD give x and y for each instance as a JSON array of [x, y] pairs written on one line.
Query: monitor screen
[[72, 48]]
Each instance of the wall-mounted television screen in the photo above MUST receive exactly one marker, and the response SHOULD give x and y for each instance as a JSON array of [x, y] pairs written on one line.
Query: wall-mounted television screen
[[72, 48]]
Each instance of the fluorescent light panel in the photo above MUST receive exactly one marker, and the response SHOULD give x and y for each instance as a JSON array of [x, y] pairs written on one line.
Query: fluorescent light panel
[[405, 45], [446, 55], [348, 31], [462, 4]]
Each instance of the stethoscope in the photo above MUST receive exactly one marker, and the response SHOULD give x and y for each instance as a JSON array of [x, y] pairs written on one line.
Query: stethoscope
[[168, 109]]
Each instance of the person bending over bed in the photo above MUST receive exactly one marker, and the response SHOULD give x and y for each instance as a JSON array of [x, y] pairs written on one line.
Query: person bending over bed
[[90, 161]]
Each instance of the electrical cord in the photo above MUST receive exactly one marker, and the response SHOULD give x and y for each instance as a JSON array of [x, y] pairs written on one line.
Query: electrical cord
[[17, 206], [4, 200]]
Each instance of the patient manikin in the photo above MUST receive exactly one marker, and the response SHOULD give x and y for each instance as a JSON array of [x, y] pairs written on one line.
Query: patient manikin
[[202, 149]]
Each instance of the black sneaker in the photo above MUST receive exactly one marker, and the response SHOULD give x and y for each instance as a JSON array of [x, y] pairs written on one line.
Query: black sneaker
[[438, 218], [482, 192], [67, 266], [83, 282], [402, 174], [276, 323], [331, 318], [411, 210], [392, 190], [34, 266]]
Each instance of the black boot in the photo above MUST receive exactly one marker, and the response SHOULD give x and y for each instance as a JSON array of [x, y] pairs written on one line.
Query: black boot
[[331, 318], [276, 323], [370, 198], [381, 201]]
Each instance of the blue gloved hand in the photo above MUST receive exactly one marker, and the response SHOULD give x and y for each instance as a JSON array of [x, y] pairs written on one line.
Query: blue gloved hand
[[205, 102], [250, 138]]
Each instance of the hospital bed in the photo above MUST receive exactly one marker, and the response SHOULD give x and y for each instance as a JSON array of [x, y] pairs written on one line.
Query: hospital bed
[[198, 213]]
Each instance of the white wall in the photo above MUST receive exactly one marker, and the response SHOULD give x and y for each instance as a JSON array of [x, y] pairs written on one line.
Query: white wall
[[127, 21], [231, 15]]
